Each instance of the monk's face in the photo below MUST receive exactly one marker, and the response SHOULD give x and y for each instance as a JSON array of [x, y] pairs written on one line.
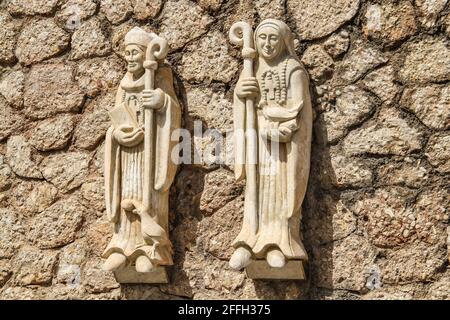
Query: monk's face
[[135, 56], [269, 43]]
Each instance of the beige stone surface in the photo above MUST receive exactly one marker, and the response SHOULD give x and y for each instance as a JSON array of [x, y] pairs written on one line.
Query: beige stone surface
[[375, 217], [51, 89], [389, 135], [320, 18], [66, 170], [31, 7], [438, 152], [116, 11], [208, 60], [352, 107], [358, 61], [8, 32], [427, 60], [430, 104], [382, 82], [179, 32], [390, 23], [90, 40], [53, 133], [57, 225], [11, 87], [19, 155], [40, 40]]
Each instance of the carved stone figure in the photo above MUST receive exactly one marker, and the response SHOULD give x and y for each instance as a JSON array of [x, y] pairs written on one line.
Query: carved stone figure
[[272, 105], [138, 166]]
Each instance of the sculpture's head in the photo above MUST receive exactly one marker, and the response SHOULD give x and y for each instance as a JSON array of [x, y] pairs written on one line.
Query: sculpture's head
[[273, 39], [136, 42]]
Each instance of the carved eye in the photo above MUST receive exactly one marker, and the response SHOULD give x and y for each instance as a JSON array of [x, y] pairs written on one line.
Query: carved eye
[[262, 36], [127, 53], [135, 52], [273, 37]]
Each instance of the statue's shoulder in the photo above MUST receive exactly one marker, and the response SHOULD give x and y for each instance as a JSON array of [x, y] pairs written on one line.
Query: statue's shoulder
[[295, 66]]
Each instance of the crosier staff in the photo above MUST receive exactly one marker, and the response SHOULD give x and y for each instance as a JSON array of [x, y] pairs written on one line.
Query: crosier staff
[[156, 50], [242, 34]]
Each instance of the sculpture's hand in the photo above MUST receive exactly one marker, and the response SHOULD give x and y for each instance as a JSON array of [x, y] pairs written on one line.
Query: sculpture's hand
[[247, 88], [153, 99], [285, 134], [128, 136]]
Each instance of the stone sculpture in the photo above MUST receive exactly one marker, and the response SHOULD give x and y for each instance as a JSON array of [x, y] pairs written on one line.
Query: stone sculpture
[[138, 166], [272, 105]]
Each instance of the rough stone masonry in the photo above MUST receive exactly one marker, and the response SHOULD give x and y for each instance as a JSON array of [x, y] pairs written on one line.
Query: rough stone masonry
[[376, 214]]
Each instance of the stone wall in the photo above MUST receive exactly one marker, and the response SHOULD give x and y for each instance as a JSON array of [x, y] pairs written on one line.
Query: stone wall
[[375, 219]]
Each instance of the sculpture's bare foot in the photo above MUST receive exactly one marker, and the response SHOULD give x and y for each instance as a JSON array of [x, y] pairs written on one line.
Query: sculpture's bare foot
[[275, 258], [143, 264], [115, 261], [240, 258]]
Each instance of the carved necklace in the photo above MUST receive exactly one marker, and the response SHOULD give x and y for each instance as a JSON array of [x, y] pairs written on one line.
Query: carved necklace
[[273, 84]]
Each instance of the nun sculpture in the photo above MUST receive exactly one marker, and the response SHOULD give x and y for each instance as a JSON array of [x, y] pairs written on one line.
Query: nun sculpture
[[272, 106], [138, 166]]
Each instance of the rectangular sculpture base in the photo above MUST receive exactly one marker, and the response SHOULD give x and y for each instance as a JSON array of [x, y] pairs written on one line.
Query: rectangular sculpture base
[[130, 275], [259, 269]]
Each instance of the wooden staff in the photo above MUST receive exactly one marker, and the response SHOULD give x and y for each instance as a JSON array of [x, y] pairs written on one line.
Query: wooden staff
[[242, 34], [156, 50]]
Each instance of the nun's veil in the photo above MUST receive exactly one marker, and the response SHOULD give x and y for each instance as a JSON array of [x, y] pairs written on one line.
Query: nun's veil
[[285, 33]]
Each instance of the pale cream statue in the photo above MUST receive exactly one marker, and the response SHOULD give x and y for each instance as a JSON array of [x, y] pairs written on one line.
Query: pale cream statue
[[272, 98], [138, 166]]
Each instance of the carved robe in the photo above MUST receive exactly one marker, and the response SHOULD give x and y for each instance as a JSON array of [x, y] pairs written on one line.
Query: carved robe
[[282, 175], [124, 176]]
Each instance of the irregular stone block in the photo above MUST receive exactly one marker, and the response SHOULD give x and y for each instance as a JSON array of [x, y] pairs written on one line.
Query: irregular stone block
[[182, 21], [50, 89], [11, 87], [90, 40], [320, 18], [57, 225], [430, 104], [427, 60], [389, 134], [438, 152], [40, 40], [20, 159], [66, 170]]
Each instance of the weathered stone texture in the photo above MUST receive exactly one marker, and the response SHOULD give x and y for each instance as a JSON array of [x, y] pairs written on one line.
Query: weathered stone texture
[[8, 34], [31, 7], [66, 170], [375, 216], [19, 157], [208, 60], [57, 225], [427, 60], [390, 134], [178, 31], [40, 40], [52, 134], [390, 23], [51, 89], [320, 18], [11, 87], [90, 40], [431, 104]]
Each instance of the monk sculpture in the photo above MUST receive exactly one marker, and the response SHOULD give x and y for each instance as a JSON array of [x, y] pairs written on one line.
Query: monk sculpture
[[138, 166], [272, 105]]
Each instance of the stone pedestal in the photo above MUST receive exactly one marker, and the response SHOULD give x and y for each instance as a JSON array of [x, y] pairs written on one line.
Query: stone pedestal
[[129, 275], [259, 269]]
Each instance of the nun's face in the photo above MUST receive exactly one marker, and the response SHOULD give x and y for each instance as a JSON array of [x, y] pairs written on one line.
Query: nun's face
[[268, 42], [134, 55]]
